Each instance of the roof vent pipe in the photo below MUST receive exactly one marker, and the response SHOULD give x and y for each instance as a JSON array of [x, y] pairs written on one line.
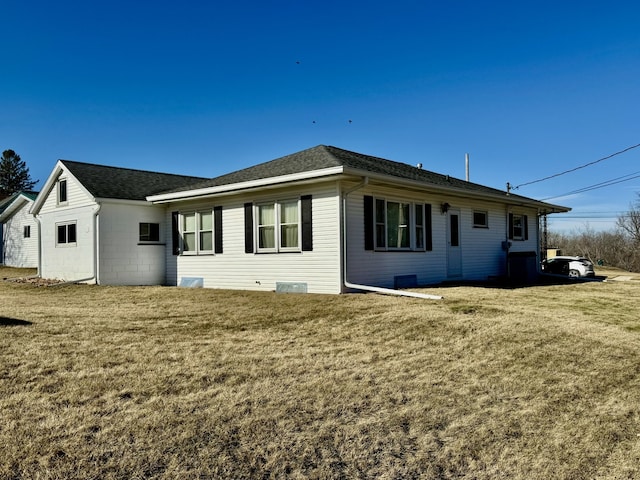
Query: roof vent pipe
[[466, 166]]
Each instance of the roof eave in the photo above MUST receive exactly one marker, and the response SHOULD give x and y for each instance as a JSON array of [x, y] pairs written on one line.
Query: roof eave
[[459, 192], [13, 207], [242, 186]]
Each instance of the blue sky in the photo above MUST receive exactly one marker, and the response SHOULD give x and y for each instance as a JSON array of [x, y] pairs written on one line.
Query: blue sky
[[528, 89]]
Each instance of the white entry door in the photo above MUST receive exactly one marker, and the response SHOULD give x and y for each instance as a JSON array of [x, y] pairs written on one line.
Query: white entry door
[[454, 248]]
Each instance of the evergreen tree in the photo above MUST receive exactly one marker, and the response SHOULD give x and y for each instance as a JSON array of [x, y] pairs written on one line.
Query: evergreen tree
[[14, 174]]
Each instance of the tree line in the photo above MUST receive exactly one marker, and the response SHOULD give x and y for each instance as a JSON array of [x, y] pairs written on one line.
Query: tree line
[[619, 247]]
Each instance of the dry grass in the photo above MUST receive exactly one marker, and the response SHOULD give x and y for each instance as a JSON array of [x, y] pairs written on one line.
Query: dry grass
[[110, 382]]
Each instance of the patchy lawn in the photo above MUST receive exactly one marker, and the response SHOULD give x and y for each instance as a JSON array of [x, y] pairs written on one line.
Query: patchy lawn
[[160, 382]]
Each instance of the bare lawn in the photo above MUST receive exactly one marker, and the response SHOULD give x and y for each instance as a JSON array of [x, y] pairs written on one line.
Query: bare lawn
[[163, 382]]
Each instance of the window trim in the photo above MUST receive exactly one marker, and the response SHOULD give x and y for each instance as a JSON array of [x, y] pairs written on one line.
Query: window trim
[[60, 190], [381, 222], [517, 218], [277, 226], [486, 219], [66, 242], [197, 232], [524, 234], [145, 241]]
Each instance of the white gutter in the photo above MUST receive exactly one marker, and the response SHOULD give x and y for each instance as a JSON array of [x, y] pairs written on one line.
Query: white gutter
[[369, 288], [515, 200]]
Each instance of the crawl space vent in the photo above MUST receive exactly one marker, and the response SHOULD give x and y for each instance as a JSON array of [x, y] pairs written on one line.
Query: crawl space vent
[[405, 281], [191, 282], [291, 287]]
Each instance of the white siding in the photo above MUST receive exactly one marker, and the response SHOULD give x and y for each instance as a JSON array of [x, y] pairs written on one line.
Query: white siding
[[123, 259], [235, 269], [19, 251], [77, 196], [483, 253], [378, 268], [68, 262]]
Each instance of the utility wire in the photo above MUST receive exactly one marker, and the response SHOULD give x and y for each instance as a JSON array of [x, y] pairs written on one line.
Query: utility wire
[[578, 168], [606, 183]]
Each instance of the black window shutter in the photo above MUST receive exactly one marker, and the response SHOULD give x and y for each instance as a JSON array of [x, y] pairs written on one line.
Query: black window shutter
[[175, 233], [248, 228], [217, 229], [511, 226], [307, 225], [526, 227], [428, 227], [369, 226]]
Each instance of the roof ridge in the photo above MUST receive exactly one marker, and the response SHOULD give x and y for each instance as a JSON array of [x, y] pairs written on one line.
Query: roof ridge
[[129, 169]]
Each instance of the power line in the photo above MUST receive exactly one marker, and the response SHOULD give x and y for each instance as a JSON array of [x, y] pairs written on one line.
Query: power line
[[606, 183], [578, 168]]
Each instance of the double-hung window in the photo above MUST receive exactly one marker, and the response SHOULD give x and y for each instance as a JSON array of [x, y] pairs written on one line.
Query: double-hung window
[[278, 226], [518, 227], [197, 232], [66, 234], [399, 225]]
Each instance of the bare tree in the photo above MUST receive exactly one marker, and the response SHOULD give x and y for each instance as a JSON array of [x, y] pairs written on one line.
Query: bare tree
[[629, 223]]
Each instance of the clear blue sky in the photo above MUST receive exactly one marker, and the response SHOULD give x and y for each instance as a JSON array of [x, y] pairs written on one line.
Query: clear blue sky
[[528, 89]]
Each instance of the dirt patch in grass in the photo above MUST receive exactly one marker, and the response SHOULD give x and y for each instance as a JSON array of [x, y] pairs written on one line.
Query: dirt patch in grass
[[158, 382]]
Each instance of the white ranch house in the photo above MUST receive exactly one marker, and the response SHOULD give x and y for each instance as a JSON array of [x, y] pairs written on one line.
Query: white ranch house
[[323, 220]]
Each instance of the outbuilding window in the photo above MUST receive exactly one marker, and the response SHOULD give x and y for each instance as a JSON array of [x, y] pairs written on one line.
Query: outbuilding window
[[62, 191], [149, 232], [66, 234]]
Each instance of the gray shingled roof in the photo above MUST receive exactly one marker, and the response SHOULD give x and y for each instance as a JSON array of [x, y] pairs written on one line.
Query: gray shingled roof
[[323, 156], [125, 183]]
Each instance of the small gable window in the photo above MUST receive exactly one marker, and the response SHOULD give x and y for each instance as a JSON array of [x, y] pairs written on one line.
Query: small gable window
[[149, 232], [27, 231], [66, 234], [62, 192]]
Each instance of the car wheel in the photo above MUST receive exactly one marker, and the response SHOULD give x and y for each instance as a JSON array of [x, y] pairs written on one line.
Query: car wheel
[[574, 273]]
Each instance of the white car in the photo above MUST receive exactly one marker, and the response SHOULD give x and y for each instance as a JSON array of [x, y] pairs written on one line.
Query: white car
[[566, 265]]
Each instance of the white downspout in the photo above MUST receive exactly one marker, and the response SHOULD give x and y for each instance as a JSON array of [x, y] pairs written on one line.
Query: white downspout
[[39, 273], [368, 288]]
